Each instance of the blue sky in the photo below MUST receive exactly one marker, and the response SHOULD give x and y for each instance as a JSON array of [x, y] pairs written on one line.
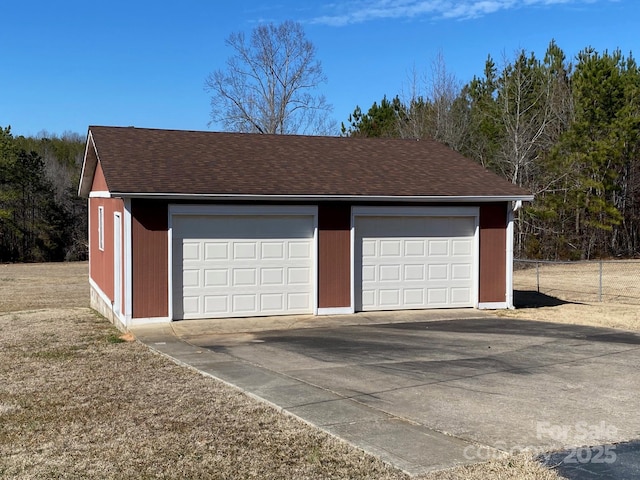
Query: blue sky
[[69, 64]]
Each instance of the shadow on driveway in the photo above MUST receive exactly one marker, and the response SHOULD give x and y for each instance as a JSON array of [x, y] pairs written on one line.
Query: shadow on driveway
[[427, 392], [602, 462], [489, 380]]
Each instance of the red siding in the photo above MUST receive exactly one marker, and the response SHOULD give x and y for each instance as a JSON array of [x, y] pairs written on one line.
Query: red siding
[[150, 259], [101, 261], [99, 182], [334, 256], [493, 248]]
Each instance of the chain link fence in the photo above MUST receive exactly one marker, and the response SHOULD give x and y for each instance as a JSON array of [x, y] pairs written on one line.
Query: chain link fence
[[588, 281]]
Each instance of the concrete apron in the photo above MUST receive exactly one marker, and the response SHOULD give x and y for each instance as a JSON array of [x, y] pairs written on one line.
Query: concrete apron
[[400, 442], [462, 389]]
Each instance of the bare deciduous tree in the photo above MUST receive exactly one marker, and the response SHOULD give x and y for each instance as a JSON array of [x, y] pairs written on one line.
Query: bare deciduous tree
[[430, 108], [270, 84]]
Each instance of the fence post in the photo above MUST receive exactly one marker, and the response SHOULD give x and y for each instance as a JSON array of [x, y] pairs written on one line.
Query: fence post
[[600, 284], [538, 275]]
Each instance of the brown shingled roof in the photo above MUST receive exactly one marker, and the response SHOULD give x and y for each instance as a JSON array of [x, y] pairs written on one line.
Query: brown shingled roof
[[155, 162]]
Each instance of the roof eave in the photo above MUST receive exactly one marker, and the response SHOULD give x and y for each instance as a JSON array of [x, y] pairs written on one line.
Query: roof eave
[[89, 165], [306, 198]]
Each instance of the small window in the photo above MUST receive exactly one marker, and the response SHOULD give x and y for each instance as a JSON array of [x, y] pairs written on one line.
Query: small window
[[101, 228]]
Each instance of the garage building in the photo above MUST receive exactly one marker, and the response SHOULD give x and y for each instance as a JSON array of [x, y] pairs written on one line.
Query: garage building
[[189, 225]]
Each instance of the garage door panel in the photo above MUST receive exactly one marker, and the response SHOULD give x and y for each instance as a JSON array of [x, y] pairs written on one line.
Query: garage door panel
[[413, 297], [415, 248], [270, 273], [272, 276], [414, 262], [438, 248], [216, 303], [191, 278], [216, 251], [461, 272], [368, 248], [368, 297], [245, 303], [272, 302], [298, 275], [299, 250], [368, 273], [272, 251], [414, 273], [218, 277], [437, 296], [244, 251], [191, 305], [298, 301], [460, 295], [461, 248], [390, 248], [390, 273], [389, 298], [191, 251], [245, 277]]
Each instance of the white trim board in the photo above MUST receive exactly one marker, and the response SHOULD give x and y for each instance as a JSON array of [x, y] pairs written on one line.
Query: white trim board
[[128, 262], [99, 194], [509, 257]]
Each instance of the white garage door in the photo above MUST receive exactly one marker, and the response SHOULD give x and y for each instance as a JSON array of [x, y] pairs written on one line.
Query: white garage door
[[414, 262], [245, 265]]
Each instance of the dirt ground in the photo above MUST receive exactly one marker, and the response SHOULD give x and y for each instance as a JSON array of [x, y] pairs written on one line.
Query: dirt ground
[[76, 401]]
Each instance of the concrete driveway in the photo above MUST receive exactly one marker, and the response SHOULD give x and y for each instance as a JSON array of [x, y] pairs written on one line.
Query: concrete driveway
[[431, 389]]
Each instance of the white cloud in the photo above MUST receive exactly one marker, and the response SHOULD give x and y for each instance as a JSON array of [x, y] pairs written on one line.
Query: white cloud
[[360, 11]]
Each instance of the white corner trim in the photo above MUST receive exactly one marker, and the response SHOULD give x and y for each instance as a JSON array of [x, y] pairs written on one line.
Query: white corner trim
[[492, 306], [509, 258], [335, 311], [99, 194], [135, 322], [169, 263], [315, 275], [352, 260], [128, 263]]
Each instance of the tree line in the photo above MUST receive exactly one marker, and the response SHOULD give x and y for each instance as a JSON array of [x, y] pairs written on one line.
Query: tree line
[[42, 219], [567, 132]]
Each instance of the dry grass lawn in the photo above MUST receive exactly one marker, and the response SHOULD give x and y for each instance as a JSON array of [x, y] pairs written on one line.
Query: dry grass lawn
[[581, 281], [78, 402], [577, 285]]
